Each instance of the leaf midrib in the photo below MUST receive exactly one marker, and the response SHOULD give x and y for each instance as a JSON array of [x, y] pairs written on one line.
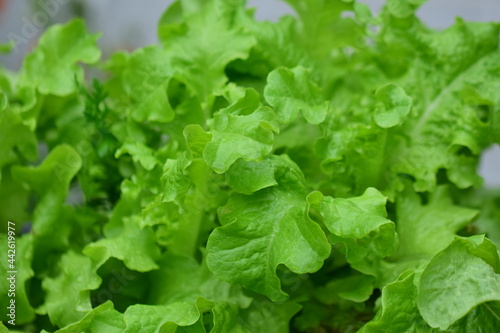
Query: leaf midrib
[[424, 117]]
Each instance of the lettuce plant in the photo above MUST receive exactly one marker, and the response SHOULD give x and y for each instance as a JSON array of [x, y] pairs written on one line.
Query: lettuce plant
[[314, 174]]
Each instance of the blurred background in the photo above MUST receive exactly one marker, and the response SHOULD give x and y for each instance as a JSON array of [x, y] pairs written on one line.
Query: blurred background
[[128, 24]]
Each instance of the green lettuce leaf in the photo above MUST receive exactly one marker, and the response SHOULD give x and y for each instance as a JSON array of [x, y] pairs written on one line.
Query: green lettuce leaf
[[182, 290], [394, 106], [101, 319], [289, 91], [313, 174], [140, 154], [148, 85], [449, 122], [248, 177], [23, 273], [14, 135], [235, 135], [399, 312], [198, 45], [354, 287], [135, 246], [465, 275], [425, 230], [52, 67], [360, 224], [76, 276], [262, 231], [164, 318], [264, 314], [51, 180]]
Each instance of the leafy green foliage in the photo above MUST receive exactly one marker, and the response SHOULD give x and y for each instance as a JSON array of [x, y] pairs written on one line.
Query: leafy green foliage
[[52, 67], [291, 91], [316, 174], [272, 228]]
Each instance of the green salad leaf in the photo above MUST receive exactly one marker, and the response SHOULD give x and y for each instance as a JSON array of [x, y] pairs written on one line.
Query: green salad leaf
[[313, 174], [52, 66]]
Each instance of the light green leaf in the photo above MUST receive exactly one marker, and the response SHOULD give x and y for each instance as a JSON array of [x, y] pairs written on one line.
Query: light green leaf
[[355, 287], [182, 279], [425, 230], [261, 231], [249, 137], [53, 66], [196, 139], [146, 79], [21, 265], [463, 276], [354, 155], [486, 202], [360, 224], [394, 105], [164, 318], [174, 177], [140, 154], [264, 314], [277, 45], [290, 91], [102, 319], [248, 177], [281, 143], [448, 130], [15, 202], [399, 312], [51, 180], [134, 246], [76, 277], [453, 110], [192, 192], [319, 20], [14, 135], [199, 45], [227, 318]]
